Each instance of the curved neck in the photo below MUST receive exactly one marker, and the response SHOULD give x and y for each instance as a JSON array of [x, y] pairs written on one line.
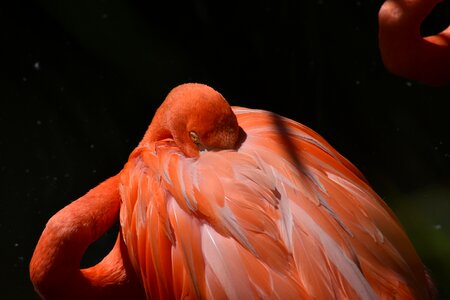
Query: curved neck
[[404, 51], [55, 265]]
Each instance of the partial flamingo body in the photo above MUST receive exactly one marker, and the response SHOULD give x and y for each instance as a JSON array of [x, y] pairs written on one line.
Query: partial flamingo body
[[235, 203], [405, 52]]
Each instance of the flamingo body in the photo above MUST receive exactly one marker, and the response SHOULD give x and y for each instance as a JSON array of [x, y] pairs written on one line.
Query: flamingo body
[[282, 217], [232, 203]]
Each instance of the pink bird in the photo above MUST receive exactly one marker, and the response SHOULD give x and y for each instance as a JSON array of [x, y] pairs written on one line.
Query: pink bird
[[405, 52], [221, 202]]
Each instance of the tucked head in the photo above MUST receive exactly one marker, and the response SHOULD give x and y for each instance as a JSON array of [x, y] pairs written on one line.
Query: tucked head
[[198, 118]]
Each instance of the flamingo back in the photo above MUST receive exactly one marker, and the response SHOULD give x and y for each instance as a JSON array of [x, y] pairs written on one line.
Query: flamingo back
[[284, 216]]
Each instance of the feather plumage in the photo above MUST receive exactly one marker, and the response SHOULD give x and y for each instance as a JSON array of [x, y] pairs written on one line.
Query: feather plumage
[[284, 216]]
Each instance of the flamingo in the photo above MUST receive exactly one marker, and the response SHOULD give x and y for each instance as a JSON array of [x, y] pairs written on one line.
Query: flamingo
[[221, 202], [404, 51]]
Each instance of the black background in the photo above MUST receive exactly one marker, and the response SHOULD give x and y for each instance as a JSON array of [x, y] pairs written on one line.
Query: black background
[[80, 81]]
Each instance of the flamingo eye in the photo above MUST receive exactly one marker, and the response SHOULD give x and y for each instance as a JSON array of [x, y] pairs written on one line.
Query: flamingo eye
[[195, 138]]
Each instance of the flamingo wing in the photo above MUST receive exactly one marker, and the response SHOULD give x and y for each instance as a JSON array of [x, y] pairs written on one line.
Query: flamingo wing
[[284, 217]]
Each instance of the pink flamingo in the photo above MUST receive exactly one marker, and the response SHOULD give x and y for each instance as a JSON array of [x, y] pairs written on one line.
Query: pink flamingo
[[221, 202]]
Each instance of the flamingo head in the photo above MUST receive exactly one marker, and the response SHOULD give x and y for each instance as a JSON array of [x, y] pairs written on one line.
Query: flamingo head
[[197, 118]]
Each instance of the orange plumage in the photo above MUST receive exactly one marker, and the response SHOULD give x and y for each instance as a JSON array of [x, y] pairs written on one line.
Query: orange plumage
[[268, 210]]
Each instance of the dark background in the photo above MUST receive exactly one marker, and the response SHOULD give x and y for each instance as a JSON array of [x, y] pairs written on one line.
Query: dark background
[[80, 81]]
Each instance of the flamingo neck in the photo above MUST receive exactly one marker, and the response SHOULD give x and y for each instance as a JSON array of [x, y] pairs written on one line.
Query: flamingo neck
[[55, 265], [404, 51]]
